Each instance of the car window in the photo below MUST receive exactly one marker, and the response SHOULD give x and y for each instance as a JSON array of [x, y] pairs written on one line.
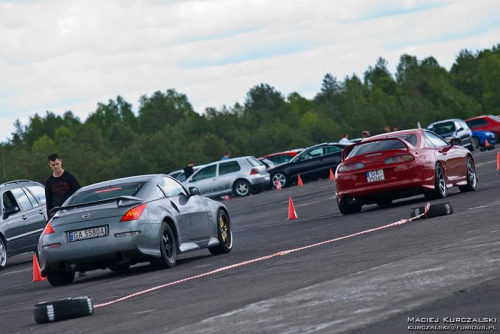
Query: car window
[[38, 192], [9, 200], [316, 152], [441, 128], [495, 118], [435, 140], [171, 187], [377, 146], [229, 167], [32, 198], [107, 192], [22, 199], [159, 193], [205, 173], [476, 123], [254, 162], [332, 149]]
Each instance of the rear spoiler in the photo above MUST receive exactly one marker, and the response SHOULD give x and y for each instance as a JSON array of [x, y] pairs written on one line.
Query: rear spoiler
[[348, 149], [120, 201]]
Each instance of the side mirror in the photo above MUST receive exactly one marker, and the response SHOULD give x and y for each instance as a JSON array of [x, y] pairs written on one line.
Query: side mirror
[[194, 191], [9, 210]]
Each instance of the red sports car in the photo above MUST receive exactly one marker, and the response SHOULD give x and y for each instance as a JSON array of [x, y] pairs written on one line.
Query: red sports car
[[401, 164]]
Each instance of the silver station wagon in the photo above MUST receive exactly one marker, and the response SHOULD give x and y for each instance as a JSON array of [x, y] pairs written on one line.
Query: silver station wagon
[[118, 223], [238, 176]]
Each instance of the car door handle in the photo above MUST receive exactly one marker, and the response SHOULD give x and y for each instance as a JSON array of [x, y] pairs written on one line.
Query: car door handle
[[24, 217]]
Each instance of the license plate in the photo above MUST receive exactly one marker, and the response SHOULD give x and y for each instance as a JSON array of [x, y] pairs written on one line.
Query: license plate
[[375, 175], [89, 233]]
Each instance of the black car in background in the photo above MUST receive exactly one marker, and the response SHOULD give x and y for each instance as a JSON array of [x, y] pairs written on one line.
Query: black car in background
[[23, 217], [312, 163]]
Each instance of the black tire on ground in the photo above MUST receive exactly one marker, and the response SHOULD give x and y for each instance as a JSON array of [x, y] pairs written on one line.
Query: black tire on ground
[[224, 234], [346, 208], [384, 202], [474, 143], [3, 254], [168, 249], [435, 210], [63, 309], [471, 176], [60, 277], [282, 178], [440, 190], [241, 188]]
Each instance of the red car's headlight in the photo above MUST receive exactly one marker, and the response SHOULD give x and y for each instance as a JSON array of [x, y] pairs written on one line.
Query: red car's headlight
[[399, 158], [350, 167]]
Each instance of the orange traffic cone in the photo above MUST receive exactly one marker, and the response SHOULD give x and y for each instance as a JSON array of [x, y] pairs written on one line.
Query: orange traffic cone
[[299, 181], [277, 184], [37, 276], [486, 144], [291, 210], [498, 160], [331, 175]]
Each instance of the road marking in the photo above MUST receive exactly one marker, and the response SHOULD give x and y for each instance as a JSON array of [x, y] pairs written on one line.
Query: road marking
[[263, 258], [15, 272], [310, 203]]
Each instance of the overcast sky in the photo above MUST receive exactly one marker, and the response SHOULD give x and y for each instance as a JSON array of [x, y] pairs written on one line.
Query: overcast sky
[[60, 55]]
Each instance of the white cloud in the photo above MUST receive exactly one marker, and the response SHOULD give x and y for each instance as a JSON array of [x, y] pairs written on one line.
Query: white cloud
[[61, 55]]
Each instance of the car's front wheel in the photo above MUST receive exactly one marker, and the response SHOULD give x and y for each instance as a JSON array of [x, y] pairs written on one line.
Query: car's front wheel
[[471, 176], [60, 277], [168, 249], [281, 178], [224, 234], [241, 188], [3, 254], [474, 143]]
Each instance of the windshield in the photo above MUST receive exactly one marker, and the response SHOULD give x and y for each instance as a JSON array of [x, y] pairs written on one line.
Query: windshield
[[441, 128], [377, 146], [104, 193]]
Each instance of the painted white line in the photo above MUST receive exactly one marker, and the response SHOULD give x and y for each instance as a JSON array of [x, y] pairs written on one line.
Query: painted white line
[[260, 259], [310, 203], [16, 271]]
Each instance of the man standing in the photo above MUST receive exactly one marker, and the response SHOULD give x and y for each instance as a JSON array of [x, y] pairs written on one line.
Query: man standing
[[226, 155], [60, 185], [189, 170]]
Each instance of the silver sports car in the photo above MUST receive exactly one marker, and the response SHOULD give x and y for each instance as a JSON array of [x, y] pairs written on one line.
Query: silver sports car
[[117, 223]]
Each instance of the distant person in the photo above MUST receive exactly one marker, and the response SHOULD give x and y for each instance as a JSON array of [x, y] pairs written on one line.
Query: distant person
[[226, 155], [387, 128], [60, 185], [345, 139], [395, 128], [365, 134], [189, 170]]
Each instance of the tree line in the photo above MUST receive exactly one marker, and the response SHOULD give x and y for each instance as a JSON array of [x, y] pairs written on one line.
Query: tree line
[[167, 132]]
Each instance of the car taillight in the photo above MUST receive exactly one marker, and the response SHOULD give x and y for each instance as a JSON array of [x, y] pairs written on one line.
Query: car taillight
[[399, 158], [351, 167], [254, 171], [48, 229], [134, 213]]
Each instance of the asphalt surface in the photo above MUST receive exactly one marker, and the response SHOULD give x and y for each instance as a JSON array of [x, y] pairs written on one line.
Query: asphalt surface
[[320, 273]]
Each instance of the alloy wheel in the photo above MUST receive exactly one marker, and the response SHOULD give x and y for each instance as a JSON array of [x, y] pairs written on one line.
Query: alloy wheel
[[3, 254]]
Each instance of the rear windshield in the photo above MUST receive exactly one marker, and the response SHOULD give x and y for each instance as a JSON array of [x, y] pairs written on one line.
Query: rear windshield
[[441, 128], [104, 193], [254, 162], [377, 146]]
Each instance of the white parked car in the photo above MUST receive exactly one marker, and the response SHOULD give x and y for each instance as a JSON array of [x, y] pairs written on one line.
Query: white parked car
[[238, 176]]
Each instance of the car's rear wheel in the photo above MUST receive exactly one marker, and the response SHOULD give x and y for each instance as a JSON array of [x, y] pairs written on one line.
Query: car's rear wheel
[[168, 249], [474, 143], [280, 177], [3, 254], [241, 188], [60, 277], [384, 202], [440, 190], [471, 176], [346, 208], [224, 234]]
